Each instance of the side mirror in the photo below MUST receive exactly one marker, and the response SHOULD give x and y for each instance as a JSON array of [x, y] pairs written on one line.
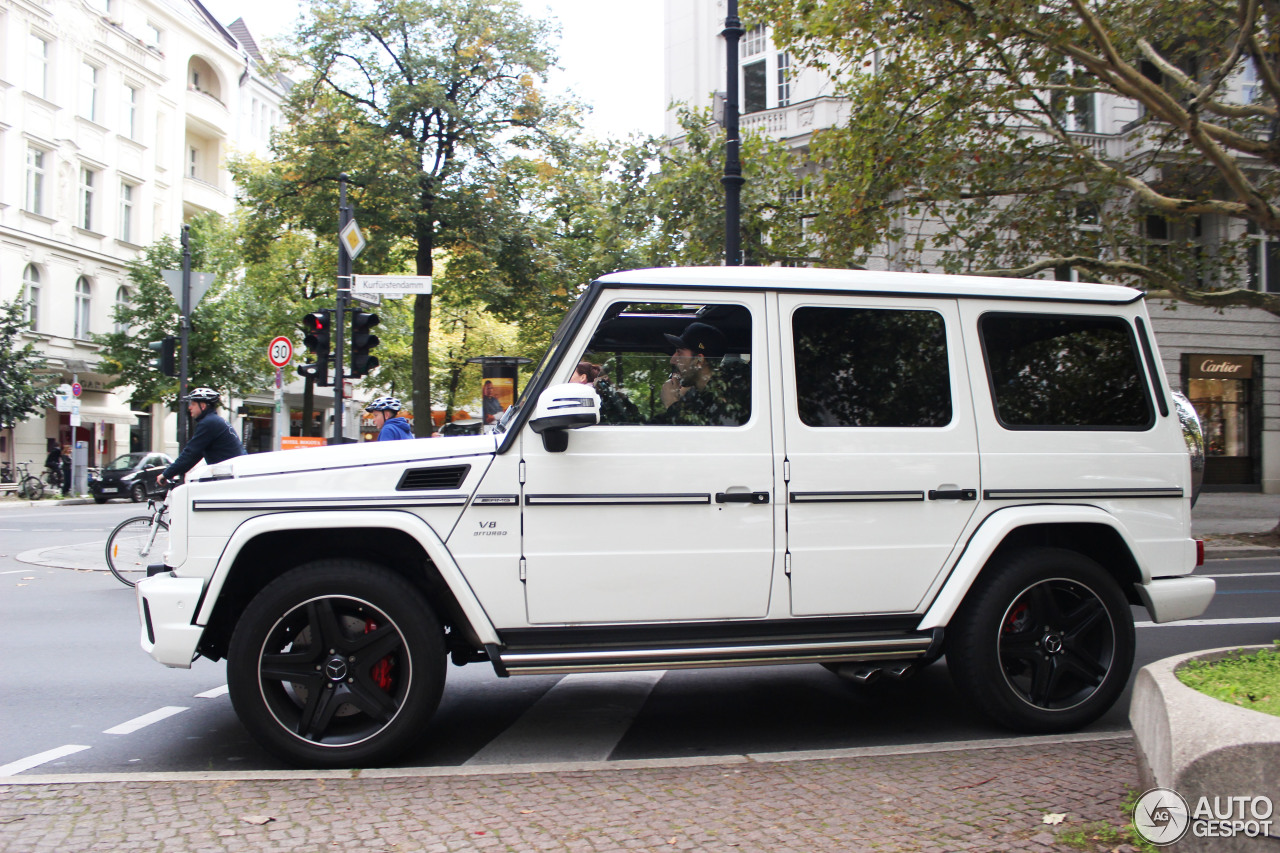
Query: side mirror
[[561, 408]]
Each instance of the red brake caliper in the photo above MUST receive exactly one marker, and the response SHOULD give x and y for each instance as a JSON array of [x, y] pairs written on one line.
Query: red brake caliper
[[381, 672], [1013, 621]]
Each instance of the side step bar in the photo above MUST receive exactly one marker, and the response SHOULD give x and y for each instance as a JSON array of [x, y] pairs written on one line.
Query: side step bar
[[532, 661]]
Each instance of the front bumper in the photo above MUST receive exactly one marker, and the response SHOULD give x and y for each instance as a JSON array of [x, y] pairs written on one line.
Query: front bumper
[[1171, 599], [167, 608]]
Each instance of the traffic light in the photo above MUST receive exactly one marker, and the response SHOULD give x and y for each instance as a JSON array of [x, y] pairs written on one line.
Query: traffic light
[[316, 328], [361, 342], [163, 360]]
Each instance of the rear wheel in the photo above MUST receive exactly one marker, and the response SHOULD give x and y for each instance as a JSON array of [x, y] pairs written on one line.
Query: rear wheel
[[1043, 642], [337, 663], [31, 488], [138, 493]]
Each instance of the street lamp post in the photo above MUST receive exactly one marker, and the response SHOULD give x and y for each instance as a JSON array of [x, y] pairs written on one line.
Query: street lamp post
[[732, 179]]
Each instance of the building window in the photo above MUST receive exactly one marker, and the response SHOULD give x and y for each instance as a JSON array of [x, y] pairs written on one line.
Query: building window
[[88, 177], [122, 305], [126, 211], [37, 66], [84, 301], [35, 179], [1075, 112], [1250, 84], [754, 86], [193, 161], [31, 285], [152, 34], [88, 91], [129, 111], [784, 79], [754, 43], [1264, 260]]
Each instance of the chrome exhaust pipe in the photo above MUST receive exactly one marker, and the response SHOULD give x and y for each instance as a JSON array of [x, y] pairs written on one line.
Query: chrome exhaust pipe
[[858, 673]]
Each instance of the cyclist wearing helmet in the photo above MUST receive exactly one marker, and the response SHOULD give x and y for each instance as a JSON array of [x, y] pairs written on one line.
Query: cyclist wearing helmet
[[213, 440], [391, 427]]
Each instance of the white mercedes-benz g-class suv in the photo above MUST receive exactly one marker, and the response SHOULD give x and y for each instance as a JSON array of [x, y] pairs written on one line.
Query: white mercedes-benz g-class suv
[[864, 470]]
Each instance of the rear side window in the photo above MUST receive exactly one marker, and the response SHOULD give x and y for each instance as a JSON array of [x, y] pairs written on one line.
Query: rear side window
[[1064, 372], [871, 367]]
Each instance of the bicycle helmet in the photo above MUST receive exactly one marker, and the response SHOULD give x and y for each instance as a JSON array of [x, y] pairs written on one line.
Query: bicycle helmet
[[383, 404], [202, 395]]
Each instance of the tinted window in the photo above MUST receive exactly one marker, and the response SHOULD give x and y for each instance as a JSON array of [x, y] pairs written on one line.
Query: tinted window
[[1064, 372], [866, 367]]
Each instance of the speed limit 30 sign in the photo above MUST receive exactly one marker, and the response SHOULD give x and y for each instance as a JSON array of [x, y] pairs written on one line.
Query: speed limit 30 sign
[[280, 351]]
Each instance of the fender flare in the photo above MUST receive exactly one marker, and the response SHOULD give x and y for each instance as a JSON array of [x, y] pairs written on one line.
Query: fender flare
[[405, 522], [991, 533]]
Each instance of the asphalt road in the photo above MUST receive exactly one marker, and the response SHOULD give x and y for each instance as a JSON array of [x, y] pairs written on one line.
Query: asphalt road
[[81, 697]]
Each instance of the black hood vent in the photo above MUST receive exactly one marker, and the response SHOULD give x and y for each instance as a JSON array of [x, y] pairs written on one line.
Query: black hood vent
[[424, 479]]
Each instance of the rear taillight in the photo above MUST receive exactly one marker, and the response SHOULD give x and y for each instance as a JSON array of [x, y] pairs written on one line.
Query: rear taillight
[[1199, 552]]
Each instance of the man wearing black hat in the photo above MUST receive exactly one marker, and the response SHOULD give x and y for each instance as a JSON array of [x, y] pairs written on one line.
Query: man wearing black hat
[[699, 391]]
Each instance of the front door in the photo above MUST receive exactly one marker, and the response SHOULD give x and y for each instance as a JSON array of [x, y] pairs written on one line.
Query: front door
[[664, 510], [881, 450]]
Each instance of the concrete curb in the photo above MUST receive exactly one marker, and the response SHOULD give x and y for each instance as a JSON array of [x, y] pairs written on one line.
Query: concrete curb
[[1200, 746]]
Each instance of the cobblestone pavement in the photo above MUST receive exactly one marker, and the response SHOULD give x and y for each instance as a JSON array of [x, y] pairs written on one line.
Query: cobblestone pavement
[[975, 799]]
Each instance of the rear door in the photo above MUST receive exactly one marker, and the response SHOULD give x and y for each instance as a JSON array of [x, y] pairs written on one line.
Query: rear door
[[881, 457]]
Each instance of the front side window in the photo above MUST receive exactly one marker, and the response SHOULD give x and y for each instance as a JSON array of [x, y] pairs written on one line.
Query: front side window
[[671, 365], [84, 294], [1064, 372], [34, 201], [31, 284], [871, 367], [88, 178]]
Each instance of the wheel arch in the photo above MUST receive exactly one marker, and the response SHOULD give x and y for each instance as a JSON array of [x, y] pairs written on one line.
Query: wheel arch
[[1086, 530], [265, 547]]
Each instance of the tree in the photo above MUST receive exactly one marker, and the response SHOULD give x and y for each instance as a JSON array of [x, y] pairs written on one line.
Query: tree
[[23, 391], [419, 102], [228, 335], [968, 115]]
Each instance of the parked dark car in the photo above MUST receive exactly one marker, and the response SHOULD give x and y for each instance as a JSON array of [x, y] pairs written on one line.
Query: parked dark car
[[132, 475], [462, 426]]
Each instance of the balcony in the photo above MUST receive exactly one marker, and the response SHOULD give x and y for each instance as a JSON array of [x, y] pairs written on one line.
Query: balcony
[[207, 113], [199, 197], [796, 120]]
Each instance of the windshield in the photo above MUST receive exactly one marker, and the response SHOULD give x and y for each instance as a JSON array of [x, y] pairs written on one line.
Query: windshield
[[124, 463], [549, 358]]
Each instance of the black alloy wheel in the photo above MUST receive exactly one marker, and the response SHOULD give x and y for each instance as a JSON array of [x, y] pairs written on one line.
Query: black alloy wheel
[[1044, 642], [338, 663]]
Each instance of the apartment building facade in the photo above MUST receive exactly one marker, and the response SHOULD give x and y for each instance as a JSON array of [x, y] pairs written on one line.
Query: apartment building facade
[[116, 119], [1227, 362]]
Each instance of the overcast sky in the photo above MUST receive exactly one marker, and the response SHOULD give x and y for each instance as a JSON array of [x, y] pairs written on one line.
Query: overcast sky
[[611, 55]]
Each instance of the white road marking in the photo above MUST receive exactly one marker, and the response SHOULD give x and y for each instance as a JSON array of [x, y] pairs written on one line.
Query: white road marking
[[1186, 623], [145, 720], [1244, 575], [214, 693], [582, 718], [15, 767]]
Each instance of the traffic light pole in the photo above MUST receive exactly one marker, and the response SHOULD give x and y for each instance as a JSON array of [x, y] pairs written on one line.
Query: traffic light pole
[[184, 332], [340, 312], [732, 179]]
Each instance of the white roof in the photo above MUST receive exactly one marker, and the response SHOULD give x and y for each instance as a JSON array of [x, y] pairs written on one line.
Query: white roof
[[873, 282]]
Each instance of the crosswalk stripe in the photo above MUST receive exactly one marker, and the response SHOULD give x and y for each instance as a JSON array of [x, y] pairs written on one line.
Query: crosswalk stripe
[[581, 718]]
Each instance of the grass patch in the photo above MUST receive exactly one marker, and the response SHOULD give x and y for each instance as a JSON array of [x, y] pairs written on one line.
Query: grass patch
[[1103, 836], [1248, 680]]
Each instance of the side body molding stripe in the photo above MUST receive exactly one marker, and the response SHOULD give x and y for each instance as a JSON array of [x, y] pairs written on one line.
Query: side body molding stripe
[[403, 521]]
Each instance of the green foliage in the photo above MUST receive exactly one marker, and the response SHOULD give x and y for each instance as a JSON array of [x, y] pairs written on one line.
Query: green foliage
[[23, 391], [229, 335], [1248, 680], [962, 117]]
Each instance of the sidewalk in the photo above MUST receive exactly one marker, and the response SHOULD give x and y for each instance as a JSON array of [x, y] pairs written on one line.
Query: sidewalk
[[1030, 798]]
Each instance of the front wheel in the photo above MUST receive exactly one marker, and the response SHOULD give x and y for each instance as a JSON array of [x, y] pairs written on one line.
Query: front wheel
[[337, 663], [138, 493], [135, 544], [31, 488], [1043, 642]]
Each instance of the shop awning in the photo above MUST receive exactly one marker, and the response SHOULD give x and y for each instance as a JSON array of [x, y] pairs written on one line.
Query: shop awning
[[97, 414]]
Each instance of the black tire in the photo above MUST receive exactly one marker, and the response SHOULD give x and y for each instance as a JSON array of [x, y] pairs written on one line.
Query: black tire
[[99, 499], [1043, 642], [138, 493], [357, 695], [131, 548], [31, 488]]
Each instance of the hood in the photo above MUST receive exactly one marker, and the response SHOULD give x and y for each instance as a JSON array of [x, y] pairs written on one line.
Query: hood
[[351, 455]]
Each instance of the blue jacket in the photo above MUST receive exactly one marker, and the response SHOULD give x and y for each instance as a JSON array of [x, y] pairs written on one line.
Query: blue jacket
[[214, 440], [395, 429]]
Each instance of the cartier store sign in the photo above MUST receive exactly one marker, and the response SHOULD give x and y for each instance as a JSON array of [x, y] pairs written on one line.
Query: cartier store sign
[[1220, 366]]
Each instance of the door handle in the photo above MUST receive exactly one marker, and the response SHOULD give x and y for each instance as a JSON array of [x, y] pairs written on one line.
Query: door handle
[[953, 494], [742, 497]]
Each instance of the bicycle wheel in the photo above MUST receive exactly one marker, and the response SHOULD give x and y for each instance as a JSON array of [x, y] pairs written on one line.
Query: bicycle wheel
[[31, 488], [133, 545]]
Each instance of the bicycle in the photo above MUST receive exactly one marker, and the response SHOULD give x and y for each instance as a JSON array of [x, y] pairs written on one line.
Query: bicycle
[[29, 485], [136, 540]]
